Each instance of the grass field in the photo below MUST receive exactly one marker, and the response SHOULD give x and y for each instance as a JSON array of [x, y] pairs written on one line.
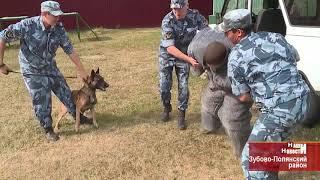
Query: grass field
[[131, 142]]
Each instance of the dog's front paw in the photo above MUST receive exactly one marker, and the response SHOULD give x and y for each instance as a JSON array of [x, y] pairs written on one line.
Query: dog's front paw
[[77, 128], [56, 130], [95, 124]]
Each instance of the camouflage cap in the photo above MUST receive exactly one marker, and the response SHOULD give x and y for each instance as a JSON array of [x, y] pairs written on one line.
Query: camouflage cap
[[52, 7], [178, 3], [236, 19]]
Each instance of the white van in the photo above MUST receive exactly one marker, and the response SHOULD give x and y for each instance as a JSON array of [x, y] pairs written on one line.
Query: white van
[[297, 20]]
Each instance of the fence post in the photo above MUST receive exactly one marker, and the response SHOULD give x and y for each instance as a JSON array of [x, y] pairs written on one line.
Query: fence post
[[78, 28], [78, 16]]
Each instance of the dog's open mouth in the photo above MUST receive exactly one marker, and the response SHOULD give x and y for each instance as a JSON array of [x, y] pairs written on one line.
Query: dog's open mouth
[[103, 88]]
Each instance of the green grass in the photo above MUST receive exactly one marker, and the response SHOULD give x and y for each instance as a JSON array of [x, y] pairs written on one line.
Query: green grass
[[131, 142]]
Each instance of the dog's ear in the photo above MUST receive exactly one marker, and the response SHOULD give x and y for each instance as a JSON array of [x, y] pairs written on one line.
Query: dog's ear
[[92, 74], [97, 72]]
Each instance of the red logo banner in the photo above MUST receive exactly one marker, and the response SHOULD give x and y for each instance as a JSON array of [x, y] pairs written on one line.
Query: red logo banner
[[284, 156]]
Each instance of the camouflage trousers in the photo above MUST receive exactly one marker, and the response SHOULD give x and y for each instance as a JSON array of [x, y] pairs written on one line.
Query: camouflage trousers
[[274, 126], [40, 88], [220, 108], [165, 81]]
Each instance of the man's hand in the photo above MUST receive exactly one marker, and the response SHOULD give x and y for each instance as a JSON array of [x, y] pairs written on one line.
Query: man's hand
[[194, 63], [4, 69], [81, 71], [246, 98], [84, 76], [180, 55]]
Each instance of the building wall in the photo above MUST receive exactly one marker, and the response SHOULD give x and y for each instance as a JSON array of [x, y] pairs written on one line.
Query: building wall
[[106, 13]]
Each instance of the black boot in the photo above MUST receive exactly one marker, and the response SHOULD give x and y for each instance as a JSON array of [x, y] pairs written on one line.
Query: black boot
[[51, 135], [182, 120], [165, 114]]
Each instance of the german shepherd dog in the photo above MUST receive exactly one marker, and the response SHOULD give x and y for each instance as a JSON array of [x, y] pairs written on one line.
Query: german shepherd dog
[[85, 99]]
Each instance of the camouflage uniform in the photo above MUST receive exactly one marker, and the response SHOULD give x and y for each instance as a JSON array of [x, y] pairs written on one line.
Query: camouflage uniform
[[178, 33], [217, 102], [37, 63], [264, 64]]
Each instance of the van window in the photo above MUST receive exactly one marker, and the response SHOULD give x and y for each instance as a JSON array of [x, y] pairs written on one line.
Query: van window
[[257, 6], [229, 5], [236, 4], [303, 12]]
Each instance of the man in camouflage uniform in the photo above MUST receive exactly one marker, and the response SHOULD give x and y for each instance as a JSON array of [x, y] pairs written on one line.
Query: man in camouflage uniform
[[210, 48], [262, 66], [40, 38], [178, 28]]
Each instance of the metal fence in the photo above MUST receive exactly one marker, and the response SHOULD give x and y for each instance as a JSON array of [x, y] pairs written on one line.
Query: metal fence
[[106, 13]]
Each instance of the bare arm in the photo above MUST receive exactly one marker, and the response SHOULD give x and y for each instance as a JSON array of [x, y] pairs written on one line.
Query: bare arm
[[168, 41], [178, 54], [76, 60], [12, 33], [3, 68], [2, 48]]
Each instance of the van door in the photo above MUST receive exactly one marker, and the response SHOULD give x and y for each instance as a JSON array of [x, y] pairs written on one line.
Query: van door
[[302, 18]]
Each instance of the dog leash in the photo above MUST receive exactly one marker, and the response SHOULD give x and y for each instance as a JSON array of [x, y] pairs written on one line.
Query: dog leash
[[48, 75]]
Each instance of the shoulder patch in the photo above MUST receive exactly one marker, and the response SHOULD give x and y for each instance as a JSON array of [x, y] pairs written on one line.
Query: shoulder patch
[[9, 34], [168, 35]]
